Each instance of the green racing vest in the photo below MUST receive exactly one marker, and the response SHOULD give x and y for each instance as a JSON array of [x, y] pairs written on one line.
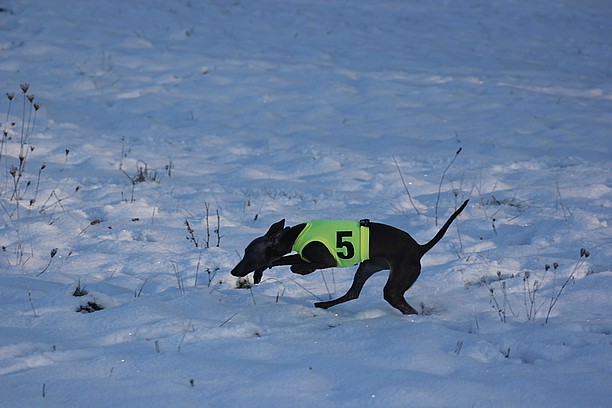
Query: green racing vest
[[347, 241]]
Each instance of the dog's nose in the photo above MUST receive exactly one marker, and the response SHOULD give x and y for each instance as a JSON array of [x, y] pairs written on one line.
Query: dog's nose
[[240, 270]]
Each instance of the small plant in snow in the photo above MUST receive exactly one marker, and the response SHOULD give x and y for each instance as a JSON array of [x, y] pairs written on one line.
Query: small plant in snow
[[243, 283], [10, 130], [79, 291], [90, 307], [20, 188], [531, 290], [204, 243], [211, 274], [533, 287], [142, 175], [553, 301], [502, 308]]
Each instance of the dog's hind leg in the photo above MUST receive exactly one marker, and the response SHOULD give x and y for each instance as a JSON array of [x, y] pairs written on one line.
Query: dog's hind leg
[[363, 273], [400, 280]]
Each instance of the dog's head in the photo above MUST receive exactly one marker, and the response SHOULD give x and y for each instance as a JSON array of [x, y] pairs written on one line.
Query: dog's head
[[259, 254]]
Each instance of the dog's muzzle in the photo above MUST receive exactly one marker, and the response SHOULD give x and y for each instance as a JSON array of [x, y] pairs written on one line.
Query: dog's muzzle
[[240, 270]]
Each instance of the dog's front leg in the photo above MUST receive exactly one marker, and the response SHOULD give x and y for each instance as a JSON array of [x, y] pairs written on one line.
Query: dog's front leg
[[306, 268], [298, 265], [319, 258], [288, 260], [295, 261], [285, 260]]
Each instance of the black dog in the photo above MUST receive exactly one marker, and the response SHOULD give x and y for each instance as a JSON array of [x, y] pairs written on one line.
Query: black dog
[[327, 244]]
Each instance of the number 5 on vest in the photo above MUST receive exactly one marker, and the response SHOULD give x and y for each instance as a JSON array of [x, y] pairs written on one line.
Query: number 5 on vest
[[348, 249]]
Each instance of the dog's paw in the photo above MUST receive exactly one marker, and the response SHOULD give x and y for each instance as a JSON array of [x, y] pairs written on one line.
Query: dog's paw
[[257, 276], [408, 310], [323, 305]]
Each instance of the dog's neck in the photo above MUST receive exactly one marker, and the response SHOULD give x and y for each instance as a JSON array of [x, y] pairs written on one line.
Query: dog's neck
[[284, 239]]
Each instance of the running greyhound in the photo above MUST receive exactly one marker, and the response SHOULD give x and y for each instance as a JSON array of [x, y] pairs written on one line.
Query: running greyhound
[[331, 243]]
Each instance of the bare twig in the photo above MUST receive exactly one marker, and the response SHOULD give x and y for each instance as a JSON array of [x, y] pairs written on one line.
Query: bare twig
[[405, 186], [189, 329], [442, 179], [228, 319], [179, 278], [326, 286], [207, 218], [566, 211], [191, 232], [218, 229], [195, 284], [141, 288], [301, 286], [32, 304], [501, 312], [53, 253], [583, 254]]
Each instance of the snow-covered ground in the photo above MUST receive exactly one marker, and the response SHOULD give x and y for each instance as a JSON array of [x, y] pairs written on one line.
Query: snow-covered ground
[[153, 111]]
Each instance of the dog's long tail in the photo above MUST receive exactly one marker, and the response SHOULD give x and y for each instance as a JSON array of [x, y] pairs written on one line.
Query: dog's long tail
[[426, 247]]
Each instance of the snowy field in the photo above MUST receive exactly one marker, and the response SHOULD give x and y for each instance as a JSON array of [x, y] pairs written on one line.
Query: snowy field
[[171, 133]]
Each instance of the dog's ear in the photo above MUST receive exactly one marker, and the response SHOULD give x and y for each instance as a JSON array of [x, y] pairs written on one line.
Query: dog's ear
[[279, 242], [275, 228]]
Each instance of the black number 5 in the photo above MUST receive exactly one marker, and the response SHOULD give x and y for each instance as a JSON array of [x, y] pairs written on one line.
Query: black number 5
[[347, 245]]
